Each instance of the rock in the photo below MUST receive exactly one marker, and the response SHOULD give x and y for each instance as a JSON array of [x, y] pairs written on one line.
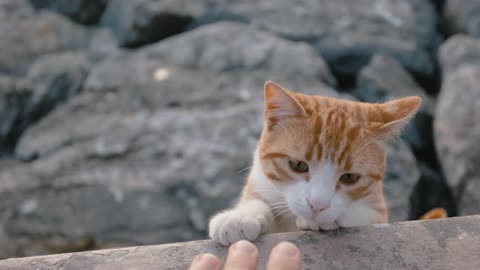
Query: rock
[[462, 16], [458, 51], [55, 79], [346, 33], [139, 22], [23, 41], [14, 96], [81, 11], [14, 9], [102, 44], [227, 47], [52, 80], [456, 125], [430, 192], [401, 175]]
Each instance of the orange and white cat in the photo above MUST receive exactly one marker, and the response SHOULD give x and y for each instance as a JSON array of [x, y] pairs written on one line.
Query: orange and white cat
[[319, 164]]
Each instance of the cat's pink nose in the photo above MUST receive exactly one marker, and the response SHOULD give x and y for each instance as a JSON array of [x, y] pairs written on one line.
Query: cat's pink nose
[[317, 206]]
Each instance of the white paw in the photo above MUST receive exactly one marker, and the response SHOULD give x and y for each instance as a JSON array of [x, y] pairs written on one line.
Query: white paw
[[307, 225], [230, 226]]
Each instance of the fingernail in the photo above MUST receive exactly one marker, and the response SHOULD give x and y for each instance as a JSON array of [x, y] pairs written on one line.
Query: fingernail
[[244, 247], [287, 249], [208, 260]]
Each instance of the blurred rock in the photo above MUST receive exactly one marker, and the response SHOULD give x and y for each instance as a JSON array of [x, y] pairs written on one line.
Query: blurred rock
[[52, 80], [14, 9], [401, 175], [102, 44], [463, 16], [14, 96], [430, 192], [457, 129], [139, 22], [81, 11], [55, 79], [227, 47], [24, 40], [345, 32], [459, 50]]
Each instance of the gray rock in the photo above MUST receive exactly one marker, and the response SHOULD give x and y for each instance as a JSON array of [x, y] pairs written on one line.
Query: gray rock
[[401, 175], [457, 128], [139, 22], [52, 80], [24, 40], [55, 79], [227, 47], [458, 51], [462, 16], [14, 9], [14, 96], [346, 33], [82, 11]]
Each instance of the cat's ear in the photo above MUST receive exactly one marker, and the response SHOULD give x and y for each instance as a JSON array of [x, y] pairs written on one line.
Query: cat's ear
[[280, 105], [395, 114]]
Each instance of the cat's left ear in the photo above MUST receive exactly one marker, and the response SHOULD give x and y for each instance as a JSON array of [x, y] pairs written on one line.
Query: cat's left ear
[[395, 114], [279, 105]]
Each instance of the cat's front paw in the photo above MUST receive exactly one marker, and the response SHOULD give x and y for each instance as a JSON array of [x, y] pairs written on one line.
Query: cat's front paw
[[307, 225], [230, 226]]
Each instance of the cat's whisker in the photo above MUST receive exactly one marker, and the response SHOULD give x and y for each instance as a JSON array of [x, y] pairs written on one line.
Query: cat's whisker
[[244, 169]]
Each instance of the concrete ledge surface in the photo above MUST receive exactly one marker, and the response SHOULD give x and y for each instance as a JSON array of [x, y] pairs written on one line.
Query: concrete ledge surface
[[452, 243]]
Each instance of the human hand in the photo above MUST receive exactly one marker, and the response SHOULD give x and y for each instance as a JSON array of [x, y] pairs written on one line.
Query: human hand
[[244, 255]]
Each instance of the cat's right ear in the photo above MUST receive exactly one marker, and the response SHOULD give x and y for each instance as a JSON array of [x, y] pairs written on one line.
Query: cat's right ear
[[280, 105]]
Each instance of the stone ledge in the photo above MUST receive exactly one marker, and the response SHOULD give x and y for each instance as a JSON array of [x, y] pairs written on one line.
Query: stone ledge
[[452, 243]]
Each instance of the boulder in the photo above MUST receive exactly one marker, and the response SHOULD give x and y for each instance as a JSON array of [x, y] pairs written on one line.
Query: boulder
[[81, 11], [55, 79], [14, 96], [457, 128], [15, 9], [140, 22], [346, 33], [24, 40], [462, 16], [51, 80], [401, 175]]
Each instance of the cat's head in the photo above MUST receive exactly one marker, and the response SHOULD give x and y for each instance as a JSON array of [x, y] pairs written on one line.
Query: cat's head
[[324, 153]]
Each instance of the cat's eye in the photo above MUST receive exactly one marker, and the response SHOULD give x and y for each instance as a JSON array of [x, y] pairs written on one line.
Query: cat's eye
[[298, 166], [349, 178]]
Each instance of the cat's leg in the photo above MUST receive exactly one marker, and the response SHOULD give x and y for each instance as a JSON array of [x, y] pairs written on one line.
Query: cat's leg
[[248, 220]]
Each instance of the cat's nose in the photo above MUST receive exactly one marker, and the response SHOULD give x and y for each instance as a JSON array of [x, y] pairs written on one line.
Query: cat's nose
[[317, 206]]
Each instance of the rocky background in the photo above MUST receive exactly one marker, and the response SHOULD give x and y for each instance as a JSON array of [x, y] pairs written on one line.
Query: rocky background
[[126, 122]]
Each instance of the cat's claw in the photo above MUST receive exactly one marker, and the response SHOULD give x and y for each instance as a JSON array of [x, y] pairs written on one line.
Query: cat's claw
[[229, 227], [307, 225]]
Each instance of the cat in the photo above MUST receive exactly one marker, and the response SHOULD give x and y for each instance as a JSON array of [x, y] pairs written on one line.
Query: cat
[[319, 165]]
